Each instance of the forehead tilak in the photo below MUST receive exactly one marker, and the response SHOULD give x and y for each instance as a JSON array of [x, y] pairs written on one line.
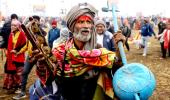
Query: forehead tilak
[[84, 18]]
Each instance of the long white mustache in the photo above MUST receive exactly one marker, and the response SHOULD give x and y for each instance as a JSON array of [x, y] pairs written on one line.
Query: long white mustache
[[82, 37], [84, 30]]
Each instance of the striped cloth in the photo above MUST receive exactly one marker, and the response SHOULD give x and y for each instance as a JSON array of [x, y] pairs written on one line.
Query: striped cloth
[[78, 62]]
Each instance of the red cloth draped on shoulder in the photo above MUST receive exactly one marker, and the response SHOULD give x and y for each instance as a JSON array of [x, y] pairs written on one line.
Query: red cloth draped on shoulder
[[21, 41]]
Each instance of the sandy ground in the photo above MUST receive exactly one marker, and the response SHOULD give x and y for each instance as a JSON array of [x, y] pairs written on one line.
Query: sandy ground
[[159, 67]]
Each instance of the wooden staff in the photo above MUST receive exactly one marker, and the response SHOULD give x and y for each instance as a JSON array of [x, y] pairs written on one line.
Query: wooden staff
[[36, 45]]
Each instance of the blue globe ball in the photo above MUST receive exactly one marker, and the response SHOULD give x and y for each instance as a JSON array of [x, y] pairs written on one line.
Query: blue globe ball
[[133, 80]]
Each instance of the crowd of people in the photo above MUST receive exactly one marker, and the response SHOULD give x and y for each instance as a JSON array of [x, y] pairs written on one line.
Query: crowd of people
[[83, 53]]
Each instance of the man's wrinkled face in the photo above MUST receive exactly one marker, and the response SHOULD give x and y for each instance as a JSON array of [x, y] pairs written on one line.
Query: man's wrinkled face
[[100, 28], [83, 28]]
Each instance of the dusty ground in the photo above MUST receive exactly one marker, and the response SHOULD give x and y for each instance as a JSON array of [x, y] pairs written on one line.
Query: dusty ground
[[160, 68]]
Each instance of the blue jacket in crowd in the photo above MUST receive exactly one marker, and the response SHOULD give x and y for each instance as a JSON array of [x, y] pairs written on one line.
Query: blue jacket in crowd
[[108, 42], [53, 34], [147, 30]]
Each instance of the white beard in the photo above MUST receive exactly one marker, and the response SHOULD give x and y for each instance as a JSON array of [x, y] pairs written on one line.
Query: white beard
[[82, 37]]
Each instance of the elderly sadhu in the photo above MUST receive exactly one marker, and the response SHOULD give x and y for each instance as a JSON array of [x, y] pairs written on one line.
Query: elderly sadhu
[[15, 57], [82, 69]]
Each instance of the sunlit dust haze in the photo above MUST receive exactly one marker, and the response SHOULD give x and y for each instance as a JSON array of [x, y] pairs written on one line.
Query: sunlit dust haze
[[61, 7]]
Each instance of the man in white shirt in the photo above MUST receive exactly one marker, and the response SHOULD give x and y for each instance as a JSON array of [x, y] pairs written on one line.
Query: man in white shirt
[[104, 37]]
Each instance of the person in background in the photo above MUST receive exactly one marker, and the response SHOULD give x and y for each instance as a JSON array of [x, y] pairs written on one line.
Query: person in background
[[64, 35], [109, 27], [15, 58], [37, 28], [165, 40], [4, 35], [161, 26], [53, 34], [6, 30], [146, 33], [104, 37], [127, 33]]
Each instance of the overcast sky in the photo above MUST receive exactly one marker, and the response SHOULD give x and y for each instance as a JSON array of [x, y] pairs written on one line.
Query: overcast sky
[[53, 7]]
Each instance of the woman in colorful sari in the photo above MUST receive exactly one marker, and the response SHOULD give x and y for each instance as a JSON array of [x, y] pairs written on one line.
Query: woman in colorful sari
[[15, 58]]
